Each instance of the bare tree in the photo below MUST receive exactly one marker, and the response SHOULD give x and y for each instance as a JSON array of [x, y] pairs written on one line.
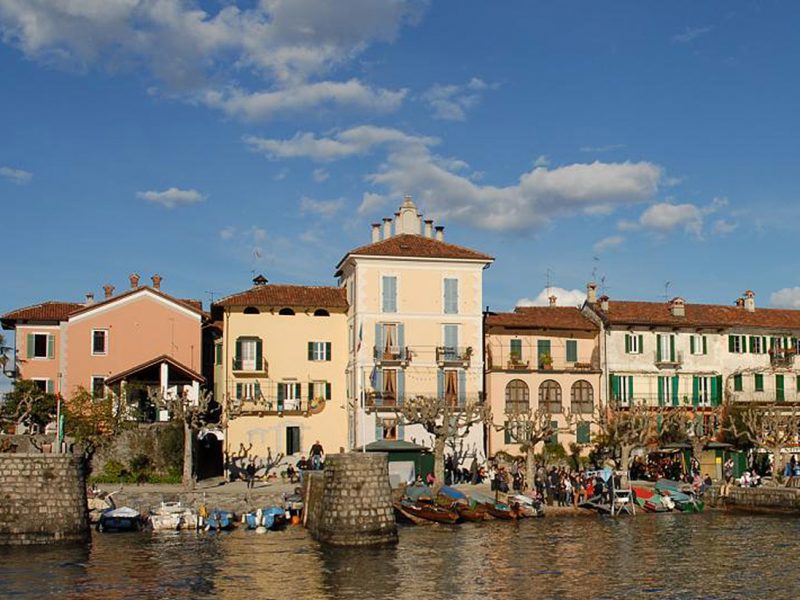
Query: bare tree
[[193, 414], [443, 419], [698, 427], [771, 426], [529, 428], [240, 459]]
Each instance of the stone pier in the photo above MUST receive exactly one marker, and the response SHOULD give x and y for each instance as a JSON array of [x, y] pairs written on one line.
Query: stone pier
[[42, 499], [759, 499], [350, 503]]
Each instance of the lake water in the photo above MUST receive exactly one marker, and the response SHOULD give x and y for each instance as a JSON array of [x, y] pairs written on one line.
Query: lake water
[[712, 555]]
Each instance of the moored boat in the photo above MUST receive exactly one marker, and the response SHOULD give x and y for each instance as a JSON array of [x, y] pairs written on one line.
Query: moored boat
[[173, 516], [219, 520], [430, 512], [120, 519], [273, 517]]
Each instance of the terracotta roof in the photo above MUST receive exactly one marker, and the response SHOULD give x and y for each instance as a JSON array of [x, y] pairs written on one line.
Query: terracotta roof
[[152, 362], [623, 312], [46, 311], [193, 305], [307, 296], [542, 317], [416, 246], [198, 304]]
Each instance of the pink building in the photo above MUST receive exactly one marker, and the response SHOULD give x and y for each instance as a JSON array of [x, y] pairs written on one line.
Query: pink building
[[141, 336]]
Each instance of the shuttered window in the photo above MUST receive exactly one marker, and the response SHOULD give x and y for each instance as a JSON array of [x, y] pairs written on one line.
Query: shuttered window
[[572, 350], [582, 433], [759, 382], [737, 383], [389, 294], [451, 296], [319, 351]]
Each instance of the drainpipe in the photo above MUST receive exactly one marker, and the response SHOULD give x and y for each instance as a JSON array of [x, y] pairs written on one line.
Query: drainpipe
[[487, 443]]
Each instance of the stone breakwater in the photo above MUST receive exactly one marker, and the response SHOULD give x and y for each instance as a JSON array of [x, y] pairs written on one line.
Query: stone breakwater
[[42, 499], [760, 499], [350, 503]]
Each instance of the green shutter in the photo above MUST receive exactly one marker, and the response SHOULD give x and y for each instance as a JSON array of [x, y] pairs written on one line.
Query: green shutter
[[281, 395], [238, 390], [327, 351], [695, 390], [238, 356], [542, 347], [779, 392], [705, 345], [327, 390], [30, 345], [675, 388], [730, 343], [798, 383], [627, 343], [658, 348], [583, 433], [641, 344], [772, 343], [257, 390], [716, 383], [310, 350], [691, 344], [554, 437], [516, 349], [51, 346], [50, 386], [259, 355], [572, 350], [661, 382], [630, 389], [297, 390], [310, 391], [737, 383], [759, 382], [615, 387], [672, 348]]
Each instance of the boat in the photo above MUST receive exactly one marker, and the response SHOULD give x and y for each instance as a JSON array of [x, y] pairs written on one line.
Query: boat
[[120, 519], [526, 506], [497, 509], [430, 512], [467, 513], [173, 516], [98, 502], [273, 517], [681, 494], [404, 516], [449, 497], [219, 520]]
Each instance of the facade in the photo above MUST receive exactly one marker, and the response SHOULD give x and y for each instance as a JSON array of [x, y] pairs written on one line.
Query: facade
[[545, 357], [141, 336], [280, 369], [414, 326]]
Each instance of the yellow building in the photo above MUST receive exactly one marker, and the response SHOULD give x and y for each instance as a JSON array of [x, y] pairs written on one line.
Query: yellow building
[[280, 368], [414, 324]]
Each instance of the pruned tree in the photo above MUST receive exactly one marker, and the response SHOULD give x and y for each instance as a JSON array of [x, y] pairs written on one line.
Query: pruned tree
[[443, 419], [698, 427], [27, 409], [772, 427], [531, 427], [193, 414]]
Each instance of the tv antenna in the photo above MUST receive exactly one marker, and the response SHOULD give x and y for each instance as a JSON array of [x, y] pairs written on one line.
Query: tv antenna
[[548, 273], [666, 290]]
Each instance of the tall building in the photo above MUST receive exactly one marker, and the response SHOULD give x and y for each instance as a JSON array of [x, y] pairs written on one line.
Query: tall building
[[414, 325]]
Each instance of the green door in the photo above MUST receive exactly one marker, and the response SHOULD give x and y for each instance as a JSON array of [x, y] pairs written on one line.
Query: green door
[[779, 394]]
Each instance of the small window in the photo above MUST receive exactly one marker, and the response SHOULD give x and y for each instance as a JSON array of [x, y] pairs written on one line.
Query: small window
[[251, 310], [99, 342], [319, 351], [389, 427], [321, 312], [292, 440], [41, 384], [572, 351], [737, 383], [98, 387], [218, 354], [41, 345], [759, 382], [634, 343], [286, 312]]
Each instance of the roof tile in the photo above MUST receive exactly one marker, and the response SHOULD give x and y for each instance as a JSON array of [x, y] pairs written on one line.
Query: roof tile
[[543, 317], [46, 311], [288, 295]]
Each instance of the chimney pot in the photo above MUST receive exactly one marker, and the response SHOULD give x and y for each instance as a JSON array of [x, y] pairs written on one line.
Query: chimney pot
[[591, 292], [739, 303], [387, 228], [89, 298], [134, 279], [440, 233], [428, 228], [376, 232], [259, 280], [108, 289], [604, 303], [553, 300], [156, 279], [677, 307], [750, 301]]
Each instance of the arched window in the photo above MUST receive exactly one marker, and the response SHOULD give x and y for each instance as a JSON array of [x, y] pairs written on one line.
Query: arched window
[[582, 401], [550, 396], [286, 312], [251, 310], [517, 396], [321, 312]]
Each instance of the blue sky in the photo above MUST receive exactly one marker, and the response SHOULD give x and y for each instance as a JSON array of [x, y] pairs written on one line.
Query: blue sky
[[647, 141]]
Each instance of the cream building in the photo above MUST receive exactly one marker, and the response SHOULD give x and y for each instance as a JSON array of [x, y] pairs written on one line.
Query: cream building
[[279, 368], [414, 325]]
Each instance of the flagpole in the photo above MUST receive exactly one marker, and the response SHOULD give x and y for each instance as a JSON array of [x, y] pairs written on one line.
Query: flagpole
[[363, 414]]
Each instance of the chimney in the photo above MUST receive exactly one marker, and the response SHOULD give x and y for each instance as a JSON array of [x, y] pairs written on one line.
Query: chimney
[[134, 279], [552, 300], [428, 228], [259, 280], [739, 303], [387, 228], [750, 301], [677, 307], [591, 292], [604, 303], [89, 298], [108, 289], [156, 279], [376, 232], [440, 232]]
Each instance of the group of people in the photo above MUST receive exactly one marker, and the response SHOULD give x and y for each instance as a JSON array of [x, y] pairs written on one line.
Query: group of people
[[294, 473], [455, 473], [655, 467]]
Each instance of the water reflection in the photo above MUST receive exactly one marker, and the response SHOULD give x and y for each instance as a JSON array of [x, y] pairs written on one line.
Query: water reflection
[[714, 555]]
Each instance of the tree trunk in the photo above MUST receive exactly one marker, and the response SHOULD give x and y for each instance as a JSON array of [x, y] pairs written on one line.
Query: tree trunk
[[530, 466], [188, 448], [777, 464], [438, 459], [625, 466]]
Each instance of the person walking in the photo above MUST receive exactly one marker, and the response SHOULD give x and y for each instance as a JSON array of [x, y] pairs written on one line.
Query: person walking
[[250, 473], [316, 456], [727, 477]]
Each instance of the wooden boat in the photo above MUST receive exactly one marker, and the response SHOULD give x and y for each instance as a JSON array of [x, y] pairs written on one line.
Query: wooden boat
[[526, 506], [495, 508], [431, 512], [405, 516], [120, 519], [466, 513]]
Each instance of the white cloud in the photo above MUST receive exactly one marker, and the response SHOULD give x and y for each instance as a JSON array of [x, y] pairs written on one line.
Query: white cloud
[[541, 161], [320, 175], [17, 176], [200, 51], [350, 142], [172, 197], [451, 102], [608, 243], [690, 34], [370, 202], [281, 175], [665, 217], [786, 298], [563, 298], [599, 149], [724, 227], [227, 233], [321, 208]]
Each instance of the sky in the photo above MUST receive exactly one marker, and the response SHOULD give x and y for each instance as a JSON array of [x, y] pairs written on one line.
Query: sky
[[649, 145]]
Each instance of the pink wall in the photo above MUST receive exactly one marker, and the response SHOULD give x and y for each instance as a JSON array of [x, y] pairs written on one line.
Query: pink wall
[[140, 328]]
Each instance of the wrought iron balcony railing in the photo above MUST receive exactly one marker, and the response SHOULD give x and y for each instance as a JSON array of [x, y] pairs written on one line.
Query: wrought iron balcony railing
[[392, 355], [250, 366], [453, 355]]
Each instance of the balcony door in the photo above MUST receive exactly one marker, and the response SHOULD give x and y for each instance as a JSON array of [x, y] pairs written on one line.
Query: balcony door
[[390, 341], [248, 355], [450, 334]]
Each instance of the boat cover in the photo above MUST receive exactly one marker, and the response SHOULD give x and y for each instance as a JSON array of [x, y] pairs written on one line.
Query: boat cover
[[123, 512]]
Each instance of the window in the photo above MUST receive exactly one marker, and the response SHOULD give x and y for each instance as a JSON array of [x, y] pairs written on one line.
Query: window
[[286, 312], [543, 355], [582, 400], [517, 396], [550, 396], [248, 391], [736, 344], [698, 344], [780, 394], [667, 391], [292, 440], [737, 383], [389, 304], [622, 389], [572, 351], [288, 396], [248, 354], [516, 350], [388, 428], [319, 351], [45, 385], [665, 348], [758, 344], [451, 296], [321, 312], [319, 390], [759, 382], [218, 354], [389, 391], [98, 387], [553, 439], [251, 310], [41, 345], [516, 432], [99, 342], [703, 391], [450, 334], [451, 386], [582, 434], [634, 343]]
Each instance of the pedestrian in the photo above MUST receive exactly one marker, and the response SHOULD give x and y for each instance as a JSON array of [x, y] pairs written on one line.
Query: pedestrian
[[473, 471], [250, 473], [727, 475], [316, 456]]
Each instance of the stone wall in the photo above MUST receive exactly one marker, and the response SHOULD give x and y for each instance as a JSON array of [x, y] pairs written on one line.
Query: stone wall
[[162, 443], [351, 504], [760, 499], [42, 499]]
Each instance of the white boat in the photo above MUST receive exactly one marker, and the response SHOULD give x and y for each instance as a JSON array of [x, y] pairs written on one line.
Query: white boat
[[173, 516]]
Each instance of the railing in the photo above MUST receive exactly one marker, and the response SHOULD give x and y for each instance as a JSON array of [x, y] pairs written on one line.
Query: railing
[[241, 366], [392, 355], [378, 400], [771, 397], [274, 406], [503, 358], [515, 363], [667, 361], [781, 358], [453, 355]]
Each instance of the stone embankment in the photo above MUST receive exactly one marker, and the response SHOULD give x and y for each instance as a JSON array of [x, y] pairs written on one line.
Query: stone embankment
[[42, 499], [772, 499]]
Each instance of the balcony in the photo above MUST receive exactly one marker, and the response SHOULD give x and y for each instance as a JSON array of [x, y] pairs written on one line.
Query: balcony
[[251, 366], [667, 362], [383, 400], [515, 363], [782, 359], [453, 356], [265, 406], [392, 355]]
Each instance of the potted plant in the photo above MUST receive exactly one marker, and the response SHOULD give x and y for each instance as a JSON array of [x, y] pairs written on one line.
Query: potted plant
[[546, 361]]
